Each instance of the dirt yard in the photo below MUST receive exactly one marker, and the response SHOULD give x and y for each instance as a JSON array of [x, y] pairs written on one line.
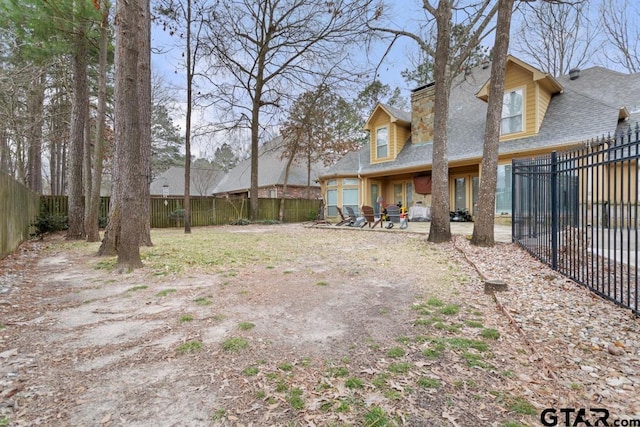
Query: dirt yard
[[289, 325]]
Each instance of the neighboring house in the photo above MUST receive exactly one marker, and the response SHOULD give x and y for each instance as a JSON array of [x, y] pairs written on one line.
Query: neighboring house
[[540, 114], [171, 182], [271, 176]]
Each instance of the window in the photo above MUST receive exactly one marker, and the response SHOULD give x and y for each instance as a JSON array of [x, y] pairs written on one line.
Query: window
[[460, 193], [409, 194], [503, 190], [350, 199], [350, 181], [332, 202], [382, 142], [511, 112]]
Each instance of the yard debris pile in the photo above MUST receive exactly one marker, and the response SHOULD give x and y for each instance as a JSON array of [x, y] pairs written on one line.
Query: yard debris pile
[[289, 325]]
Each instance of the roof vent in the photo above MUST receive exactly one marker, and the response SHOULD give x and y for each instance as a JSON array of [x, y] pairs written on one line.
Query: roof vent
[[574, 73]]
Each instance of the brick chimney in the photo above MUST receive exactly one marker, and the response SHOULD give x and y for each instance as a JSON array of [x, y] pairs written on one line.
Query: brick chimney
[[422, 110]]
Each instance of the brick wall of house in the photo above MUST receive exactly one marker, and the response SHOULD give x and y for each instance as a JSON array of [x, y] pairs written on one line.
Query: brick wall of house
[[422, 111], [293, 192]]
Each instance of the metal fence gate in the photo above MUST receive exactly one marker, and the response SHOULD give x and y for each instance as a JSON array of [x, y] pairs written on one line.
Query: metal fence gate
[[577, 211]]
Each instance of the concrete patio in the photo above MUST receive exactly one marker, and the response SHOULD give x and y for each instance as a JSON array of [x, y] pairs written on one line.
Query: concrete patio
[[502, 233]]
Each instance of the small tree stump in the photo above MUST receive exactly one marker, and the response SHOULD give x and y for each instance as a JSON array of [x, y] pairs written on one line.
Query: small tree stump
[[491, 286]]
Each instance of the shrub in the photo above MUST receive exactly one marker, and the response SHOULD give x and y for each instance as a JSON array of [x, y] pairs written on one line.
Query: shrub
[[48, 223]]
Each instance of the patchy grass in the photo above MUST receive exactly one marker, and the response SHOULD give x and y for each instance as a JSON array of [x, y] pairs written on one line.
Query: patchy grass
[[235, 344], [246, 326], [476, 360], [340, 371], [322, 283], [137, 288], [176, 253], [435, 302], [396, 352], [203, 301], [490, 333], [106, 264], [190, 347], [450, 310], [429, 383], [250, 371], [473, 324], [285, 367], [166, 292], [516, 404], [353, 382], [295, 399], [399, 368], [467, 343], [376, 417], [186, 318]]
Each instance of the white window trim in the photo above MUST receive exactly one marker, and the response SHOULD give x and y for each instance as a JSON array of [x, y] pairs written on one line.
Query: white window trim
[[378, 129], [523, 112]]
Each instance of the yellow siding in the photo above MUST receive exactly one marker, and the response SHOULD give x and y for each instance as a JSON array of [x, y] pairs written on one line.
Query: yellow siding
[[398, 135], [379, 119], [544, 98], [516, 78], [402, 135]]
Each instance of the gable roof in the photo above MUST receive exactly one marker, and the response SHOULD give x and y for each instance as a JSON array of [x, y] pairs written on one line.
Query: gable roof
[[203, 181], [395, 115], [546, 80], [587, 107], [271, 171]]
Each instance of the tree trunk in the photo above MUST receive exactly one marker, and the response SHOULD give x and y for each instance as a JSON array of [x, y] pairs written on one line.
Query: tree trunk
[[4, 149], [92, 220], [284, 187], [484, 223], [187, 136], [440, 230], [255, 138], [36, 113], [253, 192], [144, 97], [79, 113], [130, 44]]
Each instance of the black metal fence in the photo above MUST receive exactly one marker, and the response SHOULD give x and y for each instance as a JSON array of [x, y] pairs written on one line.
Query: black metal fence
[[577, 211]]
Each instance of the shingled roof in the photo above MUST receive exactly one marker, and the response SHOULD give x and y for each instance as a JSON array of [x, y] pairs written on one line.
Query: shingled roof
[[588, 106], [271, 171]]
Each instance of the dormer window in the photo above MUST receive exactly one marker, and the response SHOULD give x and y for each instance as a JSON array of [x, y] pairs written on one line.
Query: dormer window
[[512, 112], [382, 142]]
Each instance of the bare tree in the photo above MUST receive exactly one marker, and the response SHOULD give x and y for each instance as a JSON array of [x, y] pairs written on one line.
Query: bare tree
[[321, 126], [621, 28], [264, 49], [556, 36], [450, 55], [189, 15]]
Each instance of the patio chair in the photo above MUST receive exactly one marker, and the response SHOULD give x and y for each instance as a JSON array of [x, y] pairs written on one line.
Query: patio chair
[[354, 220], [370, 217], [393, 213], [343, 220]]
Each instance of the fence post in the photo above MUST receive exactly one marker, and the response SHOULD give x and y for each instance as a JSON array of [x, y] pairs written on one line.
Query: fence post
[[554, 210]]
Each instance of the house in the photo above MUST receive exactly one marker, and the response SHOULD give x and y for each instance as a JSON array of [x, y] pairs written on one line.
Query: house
[[540, 114], [271, 176], [170, 183]]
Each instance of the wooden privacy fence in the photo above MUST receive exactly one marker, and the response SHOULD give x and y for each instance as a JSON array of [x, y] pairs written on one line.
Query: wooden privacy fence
[[18, 209], [168, 212]]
